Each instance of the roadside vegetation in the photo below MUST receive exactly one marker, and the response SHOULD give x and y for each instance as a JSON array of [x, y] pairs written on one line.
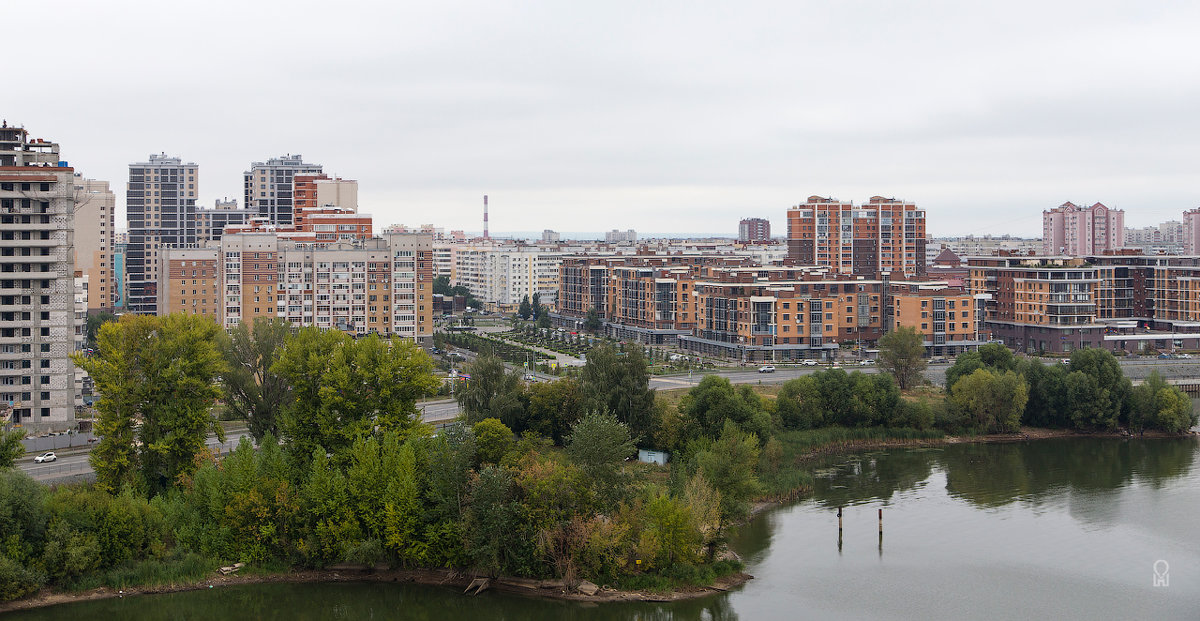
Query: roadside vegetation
[[537, 480]]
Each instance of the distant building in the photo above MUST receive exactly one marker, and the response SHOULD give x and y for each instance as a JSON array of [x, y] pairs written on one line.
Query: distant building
[[754, 230], [211, 223], [615, 236], [883, 236], [549, 237], [95, 205], [1191, 231], [1071, 230], [270, 186], [160, 206]]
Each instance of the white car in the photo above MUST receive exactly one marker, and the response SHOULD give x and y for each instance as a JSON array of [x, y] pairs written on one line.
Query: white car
[[866, 361], [766, 368], [809, 362], [45, 457]]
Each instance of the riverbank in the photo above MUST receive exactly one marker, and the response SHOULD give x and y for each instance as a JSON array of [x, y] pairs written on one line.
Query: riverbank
[[550, 589]]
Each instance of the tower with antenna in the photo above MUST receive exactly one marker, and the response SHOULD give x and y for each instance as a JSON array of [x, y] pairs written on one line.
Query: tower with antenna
[[485, 221]]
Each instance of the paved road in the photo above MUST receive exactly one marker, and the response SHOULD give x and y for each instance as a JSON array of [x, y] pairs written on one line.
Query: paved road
[[75, 462]]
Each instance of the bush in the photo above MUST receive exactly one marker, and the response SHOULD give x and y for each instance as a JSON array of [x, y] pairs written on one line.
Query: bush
[[16, 580]]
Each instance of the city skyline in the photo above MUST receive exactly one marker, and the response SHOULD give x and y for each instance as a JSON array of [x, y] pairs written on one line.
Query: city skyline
[[579, 118]]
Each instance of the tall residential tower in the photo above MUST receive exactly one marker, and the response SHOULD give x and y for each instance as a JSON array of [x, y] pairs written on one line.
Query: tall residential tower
[[160, 205], [38, 318], [270, 186]]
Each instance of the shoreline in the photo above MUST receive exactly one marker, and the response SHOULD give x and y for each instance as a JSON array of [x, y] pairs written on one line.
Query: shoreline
[[553, 589], [1026, 434], [549, 589]]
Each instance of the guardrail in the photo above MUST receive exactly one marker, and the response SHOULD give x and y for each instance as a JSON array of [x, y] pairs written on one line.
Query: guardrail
[[56, 469], [41, 444]]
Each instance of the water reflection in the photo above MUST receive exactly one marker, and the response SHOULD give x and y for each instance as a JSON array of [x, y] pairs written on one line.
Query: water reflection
[[992, 475], [871, 476]]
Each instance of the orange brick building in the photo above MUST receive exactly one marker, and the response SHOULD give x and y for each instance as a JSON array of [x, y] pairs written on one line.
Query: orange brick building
[[884, 236]]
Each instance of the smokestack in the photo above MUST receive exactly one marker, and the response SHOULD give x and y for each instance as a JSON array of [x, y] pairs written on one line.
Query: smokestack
[[485, 222]]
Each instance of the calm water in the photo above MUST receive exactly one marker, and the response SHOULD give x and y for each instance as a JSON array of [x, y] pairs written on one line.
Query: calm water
[[1064, 529]]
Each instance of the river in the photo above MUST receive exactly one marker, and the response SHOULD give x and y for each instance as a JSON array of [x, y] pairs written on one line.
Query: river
[[1062, 529]]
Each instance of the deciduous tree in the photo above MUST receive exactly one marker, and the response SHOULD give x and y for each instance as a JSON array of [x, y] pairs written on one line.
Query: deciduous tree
[[901, 353], [253, 391], [157, 377]]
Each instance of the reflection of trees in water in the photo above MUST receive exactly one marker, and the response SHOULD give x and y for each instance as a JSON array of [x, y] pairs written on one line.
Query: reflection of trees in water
[[991, 475], [873, 476], [753, 539]]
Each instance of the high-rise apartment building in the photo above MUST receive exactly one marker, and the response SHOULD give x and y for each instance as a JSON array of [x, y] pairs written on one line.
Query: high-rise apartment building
[[754, 230], [1191, 231], [38, 318], [160, 205], [1071, 230], [270, 186], [95, 205], [883, 236], [211, 223]]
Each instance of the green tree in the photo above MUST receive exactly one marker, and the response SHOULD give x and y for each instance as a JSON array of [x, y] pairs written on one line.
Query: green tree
[[253, 391], [524, 310], [799, 404], [11, 448], [535, 305], [308, 423], [599, 444], [94, 321], [729, 466], [992, 400], [346, 389], [592, 322], [157, 377], [714, 401], [492, 521], [554, 407], [441, 286], [1173, 411], [1158, 405], [492, 439], [1047, 405], [619, 383], [1098, 402], [901, 353], [492, 392], [543, 320]]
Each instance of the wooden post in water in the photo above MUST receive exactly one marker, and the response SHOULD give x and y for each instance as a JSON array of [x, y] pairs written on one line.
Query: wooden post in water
[[839, 530], [881, 533]]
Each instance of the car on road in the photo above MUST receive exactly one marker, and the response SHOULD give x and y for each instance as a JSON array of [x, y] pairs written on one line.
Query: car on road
[[866, 361], [529, 377], [809, 362], [767, 368], [45, 457], [939, 360]]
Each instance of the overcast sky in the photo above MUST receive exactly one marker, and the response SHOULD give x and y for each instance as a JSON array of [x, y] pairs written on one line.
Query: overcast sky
[[664, 117]]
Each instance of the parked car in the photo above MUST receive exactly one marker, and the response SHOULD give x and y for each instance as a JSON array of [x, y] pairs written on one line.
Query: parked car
[[766, 368], [45, 457], [809, 362], [939, 360]]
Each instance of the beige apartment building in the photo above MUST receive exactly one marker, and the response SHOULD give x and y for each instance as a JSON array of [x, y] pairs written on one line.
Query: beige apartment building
[[95, 205], [381, 285]]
